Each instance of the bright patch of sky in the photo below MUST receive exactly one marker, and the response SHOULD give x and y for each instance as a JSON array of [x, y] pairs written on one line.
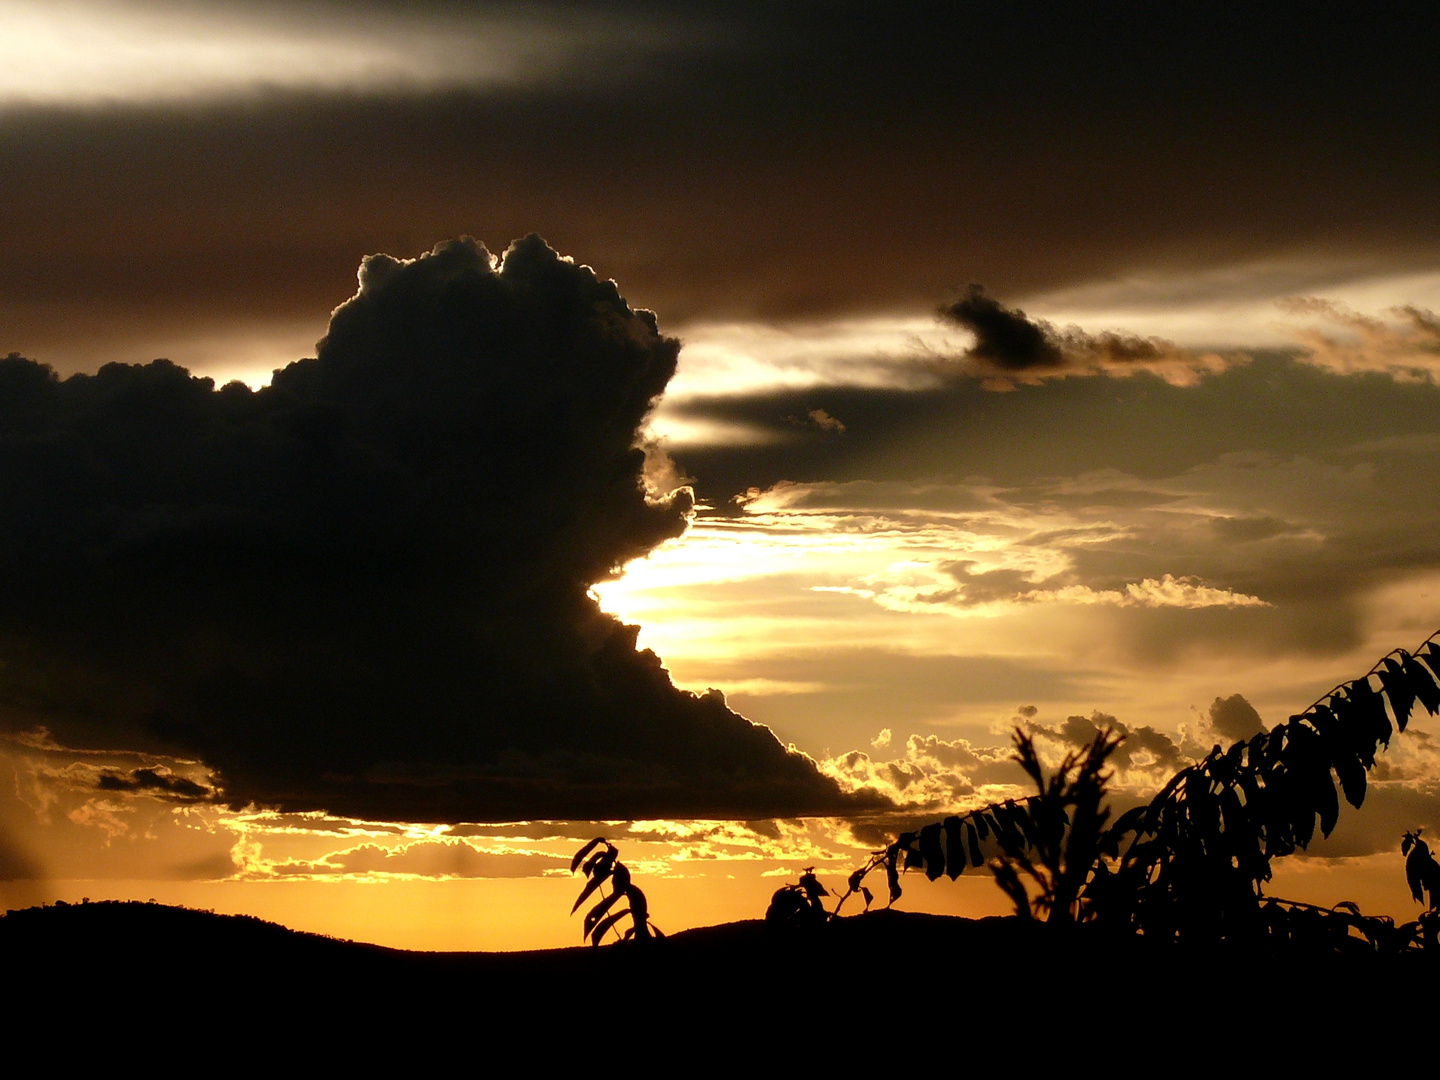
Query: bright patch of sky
[[87, 52]]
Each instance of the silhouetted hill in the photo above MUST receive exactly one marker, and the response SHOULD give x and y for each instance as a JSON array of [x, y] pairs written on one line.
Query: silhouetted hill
[[994, 978]]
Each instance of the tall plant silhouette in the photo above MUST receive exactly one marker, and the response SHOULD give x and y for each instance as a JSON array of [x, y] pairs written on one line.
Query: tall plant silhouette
[[1064, 845]]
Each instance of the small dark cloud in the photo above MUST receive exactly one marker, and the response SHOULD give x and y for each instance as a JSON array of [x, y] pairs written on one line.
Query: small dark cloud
[[1005, 338], [1142, 748], [1234, 718], [980, 587], [365, 588], [1008, 343], [153, 782]]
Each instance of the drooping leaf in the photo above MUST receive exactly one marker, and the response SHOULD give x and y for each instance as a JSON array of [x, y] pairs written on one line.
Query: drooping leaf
[[1431, 655], [590, 887], [1423, 683], [1415, 870], [1004, 830], [954, 847], [914, 860], [1352, 780], [1280, 801], [1304, 763], [1397, 690], [600, 858], [620, 879], [892, 875], [580, 855], [1370, 706], [1249, 783], [1323, 721], [1327, 802], [1237, 821], [1024, 824], [931, 853], [1356, 730], [605, 924], [639, 909], [982, 825], [595, 914], [1303, 824], [972, 838]]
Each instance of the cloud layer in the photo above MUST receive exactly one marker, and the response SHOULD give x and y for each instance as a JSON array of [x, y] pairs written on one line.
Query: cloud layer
[[366, 587], [930, 151]]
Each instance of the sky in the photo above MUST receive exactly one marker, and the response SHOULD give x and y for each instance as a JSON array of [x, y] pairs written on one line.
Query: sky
[[438, 433]]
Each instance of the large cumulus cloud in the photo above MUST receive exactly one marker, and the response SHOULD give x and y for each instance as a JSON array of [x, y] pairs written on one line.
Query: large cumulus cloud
[[365, 587]]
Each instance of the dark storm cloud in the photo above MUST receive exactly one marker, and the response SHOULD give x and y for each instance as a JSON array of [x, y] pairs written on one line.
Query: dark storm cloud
[[975, 143], [364, 588]]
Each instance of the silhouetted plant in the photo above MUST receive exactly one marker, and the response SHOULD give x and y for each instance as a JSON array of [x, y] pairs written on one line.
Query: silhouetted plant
[[946, 847], [1342, 929], [799, 904], [1065, 842], [1200, 852], [1422, 872], [1052, 838], [599, 861], [1193, 862]]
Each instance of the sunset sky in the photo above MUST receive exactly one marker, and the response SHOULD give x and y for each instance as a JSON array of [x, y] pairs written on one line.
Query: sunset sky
[[1053, 365]]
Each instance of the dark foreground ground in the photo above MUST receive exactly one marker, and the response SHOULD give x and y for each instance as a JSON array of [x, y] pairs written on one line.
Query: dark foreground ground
[[888, 981]]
